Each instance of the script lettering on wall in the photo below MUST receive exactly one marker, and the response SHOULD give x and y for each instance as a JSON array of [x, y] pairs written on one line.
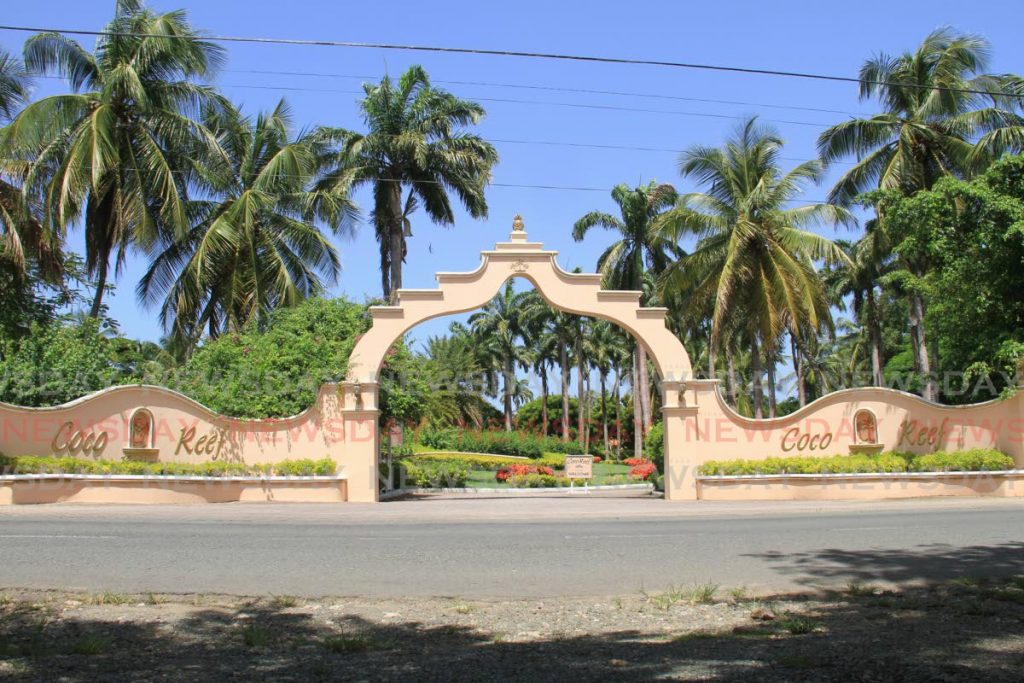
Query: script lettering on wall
[[913, 433], [794, 440], [74, 441], [207, 444]]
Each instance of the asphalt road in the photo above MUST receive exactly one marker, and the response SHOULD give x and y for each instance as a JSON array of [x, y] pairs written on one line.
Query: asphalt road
[[498, 548]]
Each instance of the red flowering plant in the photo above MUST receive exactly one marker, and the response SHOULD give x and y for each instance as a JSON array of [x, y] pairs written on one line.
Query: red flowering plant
[[597, 458], [633, 462], [509, 471], [643, 471]]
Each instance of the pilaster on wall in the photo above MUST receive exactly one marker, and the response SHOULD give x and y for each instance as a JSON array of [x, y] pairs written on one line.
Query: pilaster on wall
[[359, 460], [682, 454]]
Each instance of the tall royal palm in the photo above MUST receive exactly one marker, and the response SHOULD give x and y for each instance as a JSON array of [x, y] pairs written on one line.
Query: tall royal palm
[[257, 243], [416, 141], [754, 264], [942, 116], [499, 328], [112, 151], [640, 248]]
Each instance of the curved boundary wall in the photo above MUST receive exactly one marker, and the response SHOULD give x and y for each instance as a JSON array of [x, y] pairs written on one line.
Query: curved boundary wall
[[154, 423]]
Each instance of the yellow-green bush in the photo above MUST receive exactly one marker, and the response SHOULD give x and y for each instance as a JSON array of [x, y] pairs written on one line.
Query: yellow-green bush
[[31, 464], [979, 459]]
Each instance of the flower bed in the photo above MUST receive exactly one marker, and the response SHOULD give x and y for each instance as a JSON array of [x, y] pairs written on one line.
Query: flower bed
[[427, 473], [974, 460], [29, 464], [515, 471]]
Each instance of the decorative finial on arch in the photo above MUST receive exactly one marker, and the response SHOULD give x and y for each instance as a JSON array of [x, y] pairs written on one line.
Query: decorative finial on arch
[[517, 224]]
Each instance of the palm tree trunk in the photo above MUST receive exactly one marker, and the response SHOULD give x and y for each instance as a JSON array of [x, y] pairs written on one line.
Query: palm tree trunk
[[616, 392], [101, 285], [772, 405], [801, 388], [604, 412], [544, 399], [733, 380], [397, 237], [711, 361], [645, 388], [581, 418], [563, 356], [638, 415], [756, 372], [509, 379], [587, 422], [922, 355], [875, 337]]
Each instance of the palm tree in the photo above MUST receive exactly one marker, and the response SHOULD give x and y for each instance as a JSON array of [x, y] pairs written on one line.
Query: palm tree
[[753, 267], [858, 277], [111, 153], [942, 116], [415, 141], [933, 113], [602, 347], [498, 328], [457, 379], [624, 263], [23, 239], [255, 245], [539, 336]]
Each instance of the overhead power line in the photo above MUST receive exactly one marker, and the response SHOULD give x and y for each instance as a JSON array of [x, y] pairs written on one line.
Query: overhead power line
[[513, 53], [553, 88]]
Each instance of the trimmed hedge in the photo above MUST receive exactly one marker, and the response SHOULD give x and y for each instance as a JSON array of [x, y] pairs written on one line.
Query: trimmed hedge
[[975, 460], [497, 443], [31, 464], [425, 473]]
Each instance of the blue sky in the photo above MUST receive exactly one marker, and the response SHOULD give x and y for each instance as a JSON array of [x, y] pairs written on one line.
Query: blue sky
[[824, 37]]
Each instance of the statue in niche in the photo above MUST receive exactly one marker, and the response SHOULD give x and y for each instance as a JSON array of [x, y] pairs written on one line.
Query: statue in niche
[[141, 429], [865, 427]]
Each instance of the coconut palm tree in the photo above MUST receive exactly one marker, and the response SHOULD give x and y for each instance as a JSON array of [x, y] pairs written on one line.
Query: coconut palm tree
[[942, 115], [415, 141], [23, 239], [498, 328], [937, 102], [112, 152], [256, 243], [858, 277], [640, 248], [754, 262]]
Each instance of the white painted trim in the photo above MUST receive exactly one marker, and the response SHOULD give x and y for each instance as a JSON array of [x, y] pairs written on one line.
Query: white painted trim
[[540, 489], [166, 477], [860, 475]]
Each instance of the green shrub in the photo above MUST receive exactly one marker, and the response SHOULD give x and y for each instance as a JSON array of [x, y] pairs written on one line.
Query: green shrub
[[473, 460], [654, 445], [974, 460], [537, 481], [421, 473], [31, 464]]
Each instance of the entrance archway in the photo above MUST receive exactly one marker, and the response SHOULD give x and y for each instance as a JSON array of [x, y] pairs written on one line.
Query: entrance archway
[[576, 293]]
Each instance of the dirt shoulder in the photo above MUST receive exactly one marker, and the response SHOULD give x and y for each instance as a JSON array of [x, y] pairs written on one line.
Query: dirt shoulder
[[967, 630]]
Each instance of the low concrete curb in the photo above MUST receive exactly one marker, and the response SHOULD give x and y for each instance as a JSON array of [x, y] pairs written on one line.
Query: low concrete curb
[[566, 490]]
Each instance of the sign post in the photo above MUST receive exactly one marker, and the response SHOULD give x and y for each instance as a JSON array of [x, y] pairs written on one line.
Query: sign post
[[579, 467]]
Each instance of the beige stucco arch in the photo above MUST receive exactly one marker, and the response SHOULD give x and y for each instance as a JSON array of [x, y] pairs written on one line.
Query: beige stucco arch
[[571, 292]]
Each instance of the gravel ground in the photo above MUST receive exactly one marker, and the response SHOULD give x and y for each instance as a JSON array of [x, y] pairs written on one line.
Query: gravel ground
[[962, 631]]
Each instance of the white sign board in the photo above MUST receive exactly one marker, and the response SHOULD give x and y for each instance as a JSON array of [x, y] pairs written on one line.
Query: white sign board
[[579, 466]]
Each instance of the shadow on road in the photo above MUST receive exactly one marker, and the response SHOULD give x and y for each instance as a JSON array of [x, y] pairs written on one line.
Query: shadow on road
[[923, 563]]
